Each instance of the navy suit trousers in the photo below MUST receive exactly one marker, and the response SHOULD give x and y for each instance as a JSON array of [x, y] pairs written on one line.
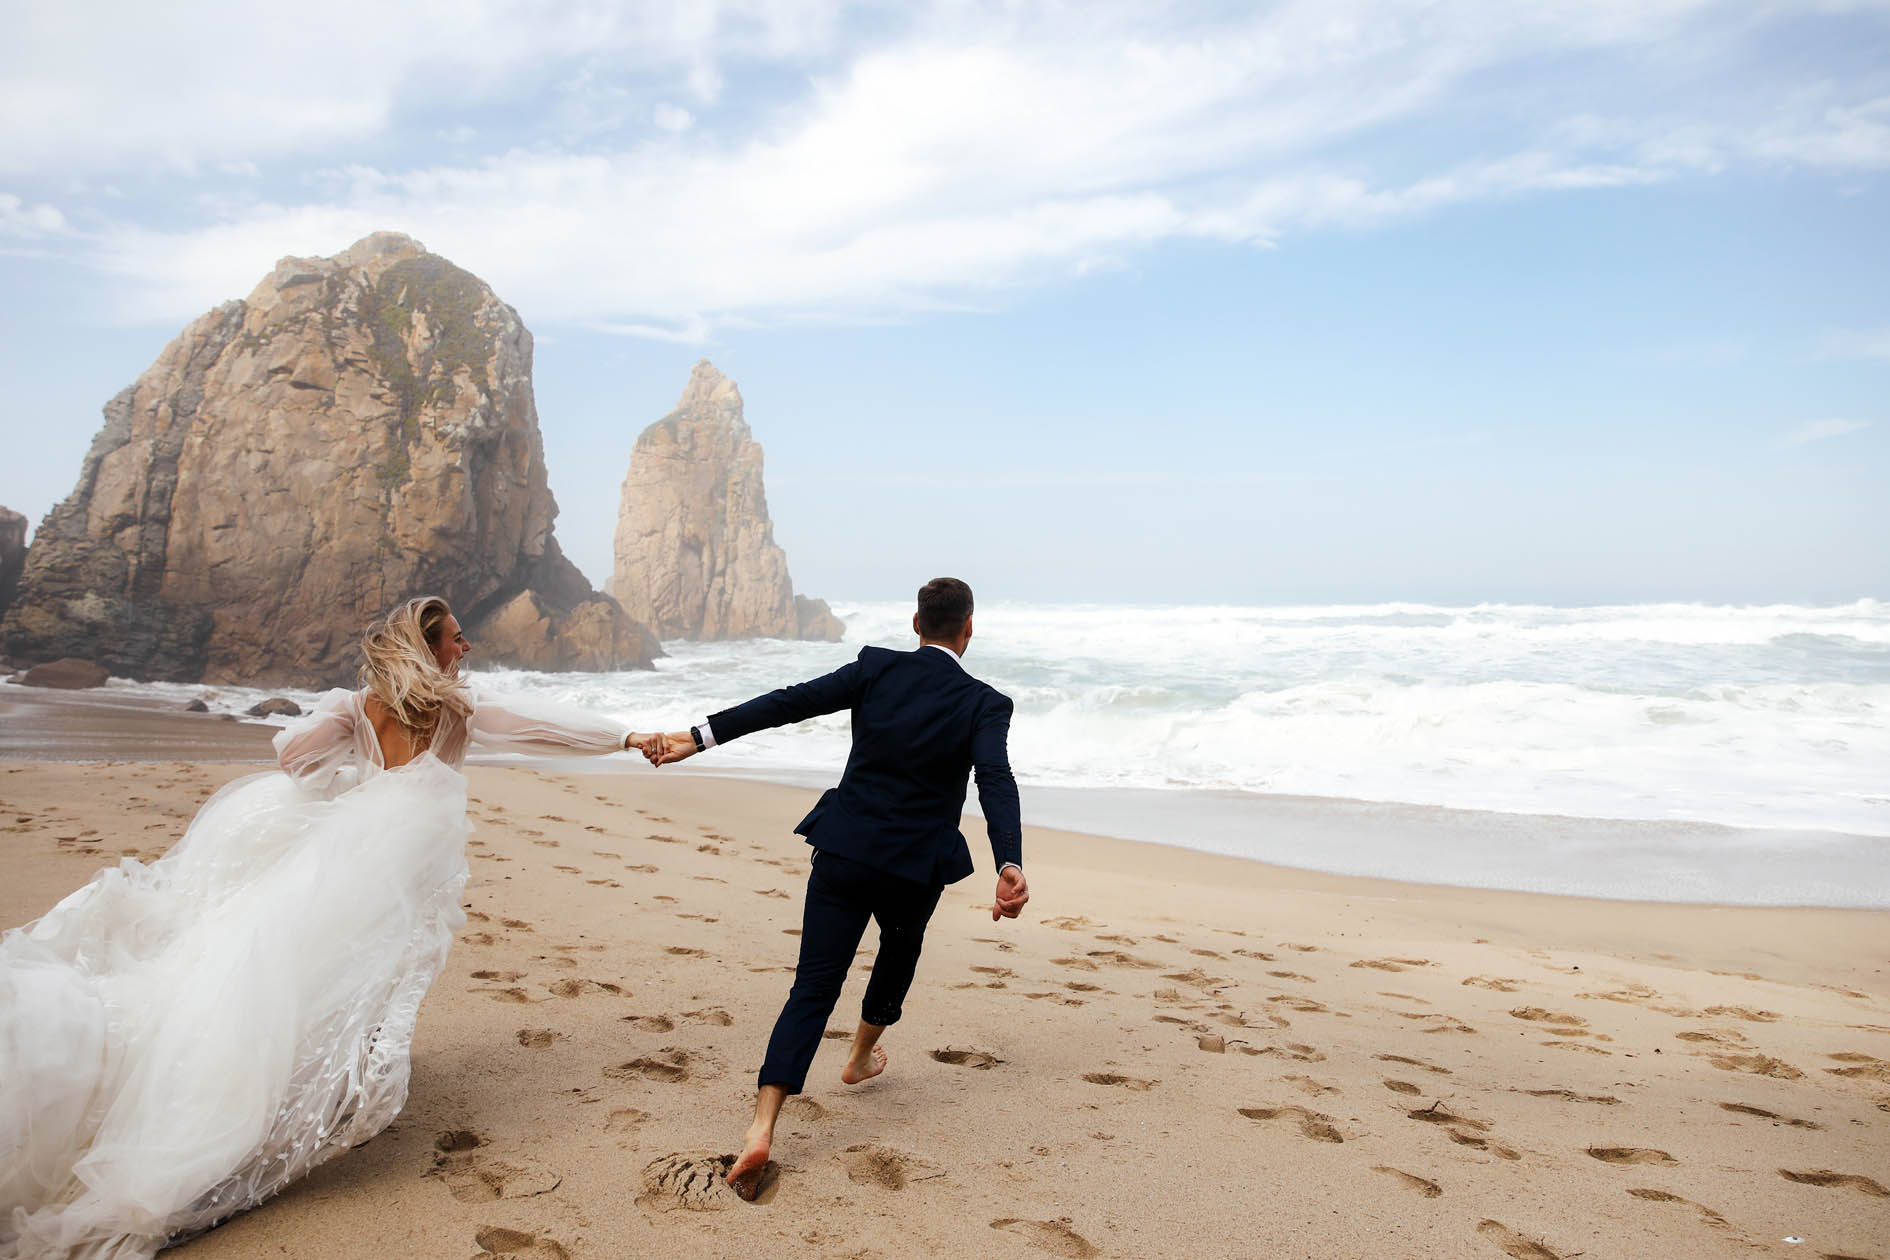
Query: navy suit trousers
[[842, 895]]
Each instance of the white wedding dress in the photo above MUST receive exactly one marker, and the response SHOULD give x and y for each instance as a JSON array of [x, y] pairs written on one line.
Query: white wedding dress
[[179, 1041]]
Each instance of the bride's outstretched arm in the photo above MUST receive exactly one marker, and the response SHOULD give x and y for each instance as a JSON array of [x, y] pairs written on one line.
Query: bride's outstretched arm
[[518, 724], [312, 749]]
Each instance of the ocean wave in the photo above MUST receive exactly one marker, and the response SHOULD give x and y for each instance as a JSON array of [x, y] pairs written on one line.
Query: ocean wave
[[1763, 716]]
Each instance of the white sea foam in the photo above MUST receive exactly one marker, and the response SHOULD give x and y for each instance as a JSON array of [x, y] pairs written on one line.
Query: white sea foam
[[1774, 717]]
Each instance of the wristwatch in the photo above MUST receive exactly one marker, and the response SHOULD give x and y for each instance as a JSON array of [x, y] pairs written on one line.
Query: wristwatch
[[695, 733]]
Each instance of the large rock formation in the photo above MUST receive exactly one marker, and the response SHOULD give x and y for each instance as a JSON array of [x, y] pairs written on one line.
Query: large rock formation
[[12, 553], [359, 429], [695, 550]]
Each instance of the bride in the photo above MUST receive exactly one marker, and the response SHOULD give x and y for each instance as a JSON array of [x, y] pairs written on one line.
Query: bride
[[180, 1041]]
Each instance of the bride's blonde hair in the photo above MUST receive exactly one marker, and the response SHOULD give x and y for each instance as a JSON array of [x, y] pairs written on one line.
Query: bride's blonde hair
[[400, 671]]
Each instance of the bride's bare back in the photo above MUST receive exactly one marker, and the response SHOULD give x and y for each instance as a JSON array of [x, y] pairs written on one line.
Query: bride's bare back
[[398, 744]]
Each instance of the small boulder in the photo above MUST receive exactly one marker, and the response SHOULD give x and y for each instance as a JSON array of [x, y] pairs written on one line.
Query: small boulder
[[196, 706], [275, 706], [816, 621], [69, 673]]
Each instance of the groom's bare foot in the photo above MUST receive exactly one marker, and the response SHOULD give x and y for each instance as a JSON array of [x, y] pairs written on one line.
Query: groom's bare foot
[[856, 1071], [744, 1176]]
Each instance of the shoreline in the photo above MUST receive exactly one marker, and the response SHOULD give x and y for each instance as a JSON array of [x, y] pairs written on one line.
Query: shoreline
[[1409, 1070], [1690, 863]]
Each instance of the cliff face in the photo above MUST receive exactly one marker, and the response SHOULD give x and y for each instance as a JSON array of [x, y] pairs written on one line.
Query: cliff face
[[12, 553], [359, 429], [695, 550]]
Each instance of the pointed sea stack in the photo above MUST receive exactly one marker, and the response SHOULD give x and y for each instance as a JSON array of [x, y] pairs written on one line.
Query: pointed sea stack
[[358, 430], [695, 550]]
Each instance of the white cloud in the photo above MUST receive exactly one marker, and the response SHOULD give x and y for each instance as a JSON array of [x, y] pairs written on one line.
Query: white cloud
[[1847, 137], [672, 117], [1819, 430], [930, 156], [1858, 343], [104, 86], [20, 220]]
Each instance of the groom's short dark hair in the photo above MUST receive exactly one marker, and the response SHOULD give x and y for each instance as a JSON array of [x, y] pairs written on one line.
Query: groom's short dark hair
[[944, 603]]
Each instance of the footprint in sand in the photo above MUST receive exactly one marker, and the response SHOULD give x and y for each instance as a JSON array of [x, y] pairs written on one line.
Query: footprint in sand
[[1630, 1155], [1289, 1050], [688, 1181], [801, 1107], [1114, 1078], [472, 1178], [771, 892], [685, 951], [1055, 1237], [502, 977], [965, 1058], [1863, 1066], [1080, 964], [642, 868], [1402, 1087], [623, 1124], [1306, 1084], [1312, 1124], [1391, 964], [1537, 1014], [1744, 1012], [1116, 958], [578, 988], [517, 925], [994, 971], [1829, 1180], [1502, 984], [1260, 955], [538, 1038], [1756, 1064], [1423, 1185], [1714, 1036], [871, 1165], [1438, 1113], [670, 1065], [513, 994], [1514, 1245], [1069, 923], [1569, 1095], [1662, 1196], [1292, 975], [1746, 1109], [494, 1240], [1410, 1062]]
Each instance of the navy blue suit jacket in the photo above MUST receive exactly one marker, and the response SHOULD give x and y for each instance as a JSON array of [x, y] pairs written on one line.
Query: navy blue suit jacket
[[921, 726]]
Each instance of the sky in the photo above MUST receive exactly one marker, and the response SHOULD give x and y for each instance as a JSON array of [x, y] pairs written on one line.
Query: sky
[[1453, 302]]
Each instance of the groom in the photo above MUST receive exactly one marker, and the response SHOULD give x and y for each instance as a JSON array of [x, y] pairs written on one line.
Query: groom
[[886, 841]]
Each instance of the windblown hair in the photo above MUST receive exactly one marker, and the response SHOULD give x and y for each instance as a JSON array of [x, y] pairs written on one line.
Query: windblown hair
[[399, 669], [944, 603]]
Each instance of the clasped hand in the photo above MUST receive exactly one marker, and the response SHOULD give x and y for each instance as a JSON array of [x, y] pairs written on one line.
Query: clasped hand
[[661, 749]]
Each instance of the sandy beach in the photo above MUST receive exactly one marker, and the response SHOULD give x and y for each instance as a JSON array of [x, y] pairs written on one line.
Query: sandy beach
[[1172, 1054]]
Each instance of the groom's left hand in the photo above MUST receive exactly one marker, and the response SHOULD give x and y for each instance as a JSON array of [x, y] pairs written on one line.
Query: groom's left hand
[[1012, 894]]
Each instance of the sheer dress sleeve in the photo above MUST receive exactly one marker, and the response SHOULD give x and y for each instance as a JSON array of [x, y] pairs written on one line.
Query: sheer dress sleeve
[[317, 749], [516, 724]]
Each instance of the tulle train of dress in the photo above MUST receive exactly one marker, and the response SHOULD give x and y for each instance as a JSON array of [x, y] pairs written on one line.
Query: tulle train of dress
[[179, 1041]]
